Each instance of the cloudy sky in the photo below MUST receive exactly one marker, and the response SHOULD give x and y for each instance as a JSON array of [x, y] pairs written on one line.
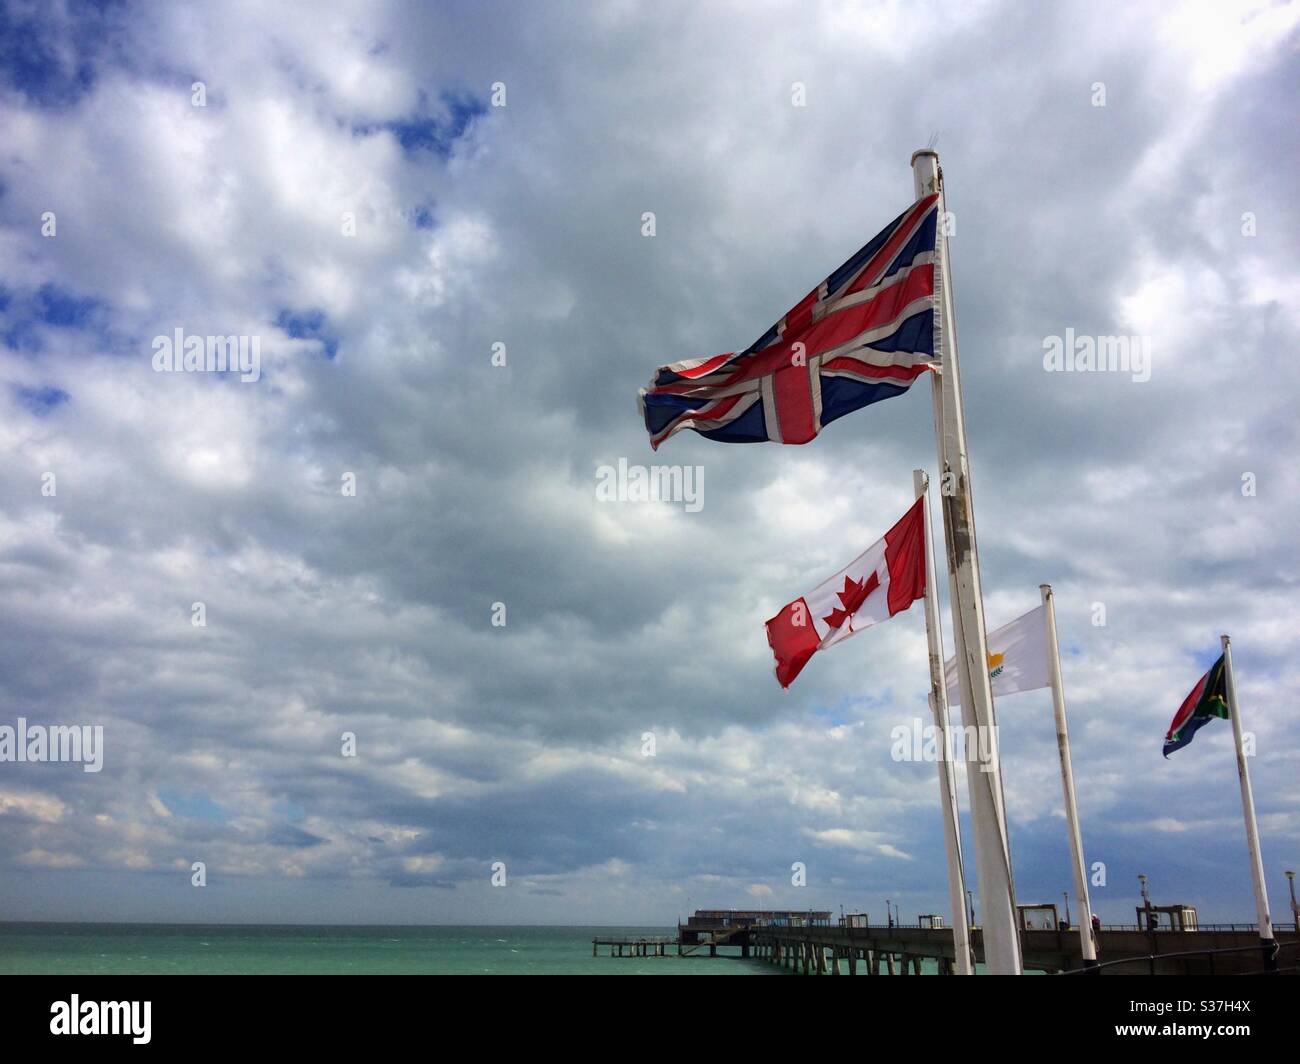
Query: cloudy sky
[[350, 193]]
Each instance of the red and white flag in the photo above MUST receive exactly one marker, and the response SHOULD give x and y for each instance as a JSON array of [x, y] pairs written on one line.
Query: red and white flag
[[883, 581]]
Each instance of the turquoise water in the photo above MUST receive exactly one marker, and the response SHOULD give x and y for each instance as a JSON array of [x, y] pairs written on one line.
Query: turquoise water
[[186, 949]]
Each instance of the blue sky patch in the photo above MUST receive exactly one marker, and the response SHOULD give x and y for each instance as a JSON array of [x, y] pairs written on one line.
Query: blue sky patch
[[290, 812], [40, 401], [49, 60], [60, 307], [433, 133], [50, 305], [194, 805], [309, 325], [422, 217]]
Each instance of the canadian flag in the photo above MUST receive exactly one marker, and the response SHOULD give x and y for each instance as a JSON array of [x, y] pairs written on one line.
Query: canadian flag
[[883, 581]]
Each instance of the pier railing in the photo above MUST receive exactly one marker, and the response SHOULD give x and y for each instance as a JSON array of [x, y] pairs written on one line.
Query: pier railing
[[807, 939], [1194, 930], [635, 945], [635, 940], [1282, 959]]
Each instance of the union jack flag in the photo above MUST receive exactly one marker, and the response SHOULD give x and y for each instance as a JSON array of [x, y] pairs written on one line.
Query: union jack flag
[[862, 335]]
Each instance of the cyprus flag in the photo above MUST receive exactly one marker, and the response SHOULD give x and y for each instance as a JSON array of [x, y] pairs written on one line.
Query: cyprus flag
[[1017, 657]]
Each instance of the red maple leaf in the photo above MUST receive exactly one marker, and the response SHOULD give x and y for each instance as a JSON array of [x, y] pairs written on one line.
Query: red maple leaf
[[853, 595]]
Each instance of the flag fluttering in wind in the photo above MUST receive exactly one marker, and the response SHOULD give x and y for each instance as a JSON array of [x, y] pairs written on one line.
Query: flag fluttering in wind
[[1207, 700], [1018, 657], [1215, 695], [864, 334], [883, 581]]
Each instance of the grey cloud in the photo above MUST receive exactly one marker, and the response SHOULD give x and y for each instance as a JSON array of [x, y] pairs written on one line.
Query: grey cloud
[[329, 614]]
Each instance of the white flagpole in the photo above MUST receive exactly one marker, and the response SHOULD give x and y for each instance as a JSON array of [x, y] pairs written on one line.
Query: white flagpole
[[947, 775], [1248, 808], [1088, 946], [983, 771]]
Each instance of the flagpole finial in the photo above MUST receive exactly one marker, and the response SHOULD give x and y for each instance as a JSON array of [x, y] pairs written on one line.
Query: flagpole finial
[[1224, 641], [927, 178]]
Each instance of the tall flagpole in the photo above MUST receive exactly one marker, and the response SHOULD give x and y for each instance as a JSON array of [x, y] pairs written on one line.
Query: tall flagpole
[[1086, 943], [1248, 808], [992, 846], [947, 775]]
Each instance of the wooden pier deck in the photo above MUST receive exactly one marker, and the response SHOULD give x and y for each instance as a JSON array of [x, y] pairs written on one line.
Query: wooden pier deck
[[810, 943], [636, 946], [901, 950]]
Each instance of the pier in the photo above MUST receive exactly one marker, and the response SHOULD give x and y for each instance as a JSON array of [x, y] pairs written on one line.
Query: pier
[[813, 943], [638, 946]]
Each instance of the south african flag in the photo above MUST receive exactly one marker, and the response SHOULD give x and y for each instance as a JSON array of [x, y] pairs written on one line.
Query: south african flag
[[1208, 699]]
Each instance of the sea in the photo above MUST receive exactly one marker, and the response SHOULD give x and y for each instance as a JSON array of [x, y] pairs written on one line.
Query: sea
[[227, 949]]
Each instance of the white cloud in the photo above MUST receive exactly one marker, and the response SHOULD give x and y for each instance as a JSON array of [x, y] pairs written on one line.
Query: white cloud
[[369, 614]]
